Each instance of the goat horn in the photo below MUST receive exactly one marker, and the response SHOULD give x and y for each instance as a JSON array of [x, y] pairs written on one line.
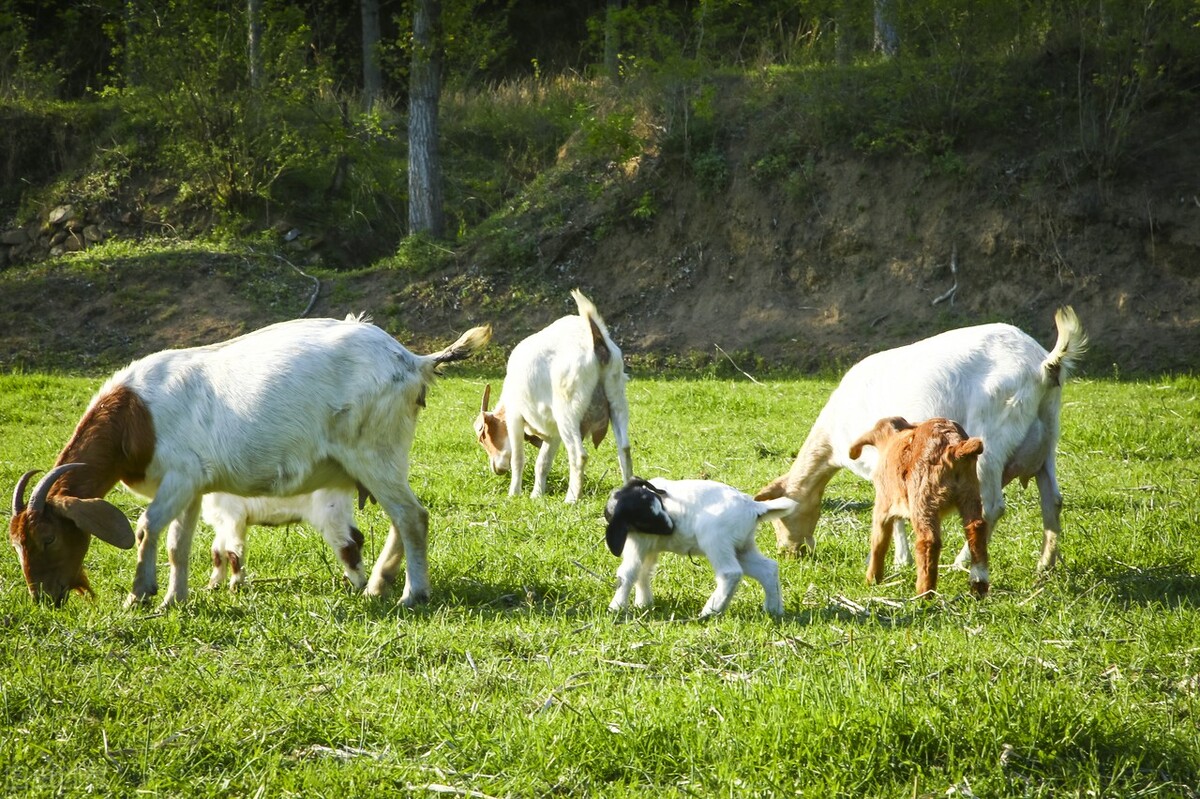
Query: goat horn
[[19, 492], [487, 395], [37, 500]]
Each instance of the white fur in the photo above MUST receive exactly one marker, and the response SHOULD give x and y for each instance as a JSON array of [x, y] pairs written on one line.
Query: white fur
[[285, 410], [993, 379], [711, 519], [330, 511], [551, 380]]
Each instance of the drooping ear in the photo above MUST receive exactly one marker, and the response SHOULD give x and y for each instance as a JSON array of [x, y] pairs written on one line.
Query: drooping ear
[[98, 518], [865, 440], [969, 448], [615, 534]]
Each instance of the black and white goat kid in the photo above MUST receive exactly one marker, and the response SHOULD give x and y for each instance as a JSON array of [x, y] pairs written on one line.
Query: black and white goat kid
[[690, 517]]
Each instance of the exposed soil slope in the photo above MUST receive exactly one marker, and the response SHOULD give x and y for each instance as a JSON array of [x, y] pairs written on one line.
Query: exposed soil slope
[[754, 271]]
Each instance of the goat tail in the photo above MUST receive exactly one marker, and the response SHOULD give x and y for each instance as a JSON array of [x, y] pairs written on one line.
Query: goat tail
[[773, 490], [1070, 347], [775, 508], [588, 312], [462, 349]]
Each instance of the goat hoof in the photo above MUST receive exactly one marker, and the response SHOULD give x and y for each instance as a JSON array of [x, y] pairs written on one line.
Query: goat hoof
[[980, 590], [414, 599], [137, 600]]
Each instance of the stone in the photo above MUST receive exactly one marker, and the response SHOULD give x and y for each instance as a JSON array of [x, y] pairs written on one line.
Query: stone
[[61, 214], [14, 236], [93, 234]]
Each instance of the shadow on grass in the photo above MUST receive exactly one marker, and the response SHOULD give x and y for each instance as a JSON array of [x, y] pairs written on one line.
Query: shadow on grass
[[1170, 584]]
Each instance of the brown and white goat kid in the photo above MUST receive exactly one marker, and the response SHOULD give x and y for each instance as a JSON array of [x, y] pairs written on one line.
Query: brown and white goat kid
[[922, 473], [285, 410], [563, 384], [994, 379]]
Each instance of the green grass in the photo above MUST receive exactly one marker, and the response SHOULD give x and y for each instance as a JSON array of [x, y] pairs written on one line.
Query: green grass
[[515, 681]]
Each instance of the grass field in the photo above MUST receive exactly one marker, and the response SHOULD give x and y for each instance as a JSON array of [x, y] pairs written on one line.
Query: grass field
[[515, 681]]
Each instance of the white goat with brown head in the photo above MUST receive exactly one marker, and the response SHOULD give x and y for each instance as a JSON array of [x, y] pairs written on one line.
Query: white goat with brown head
[[563, 384], [285, 410]]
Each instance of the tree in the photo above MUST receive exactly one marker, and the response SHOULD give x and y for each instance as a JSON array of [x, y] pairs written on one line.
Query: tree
[[254, 42], [887, 34], [372, 74], [425, 213], [612, 39]]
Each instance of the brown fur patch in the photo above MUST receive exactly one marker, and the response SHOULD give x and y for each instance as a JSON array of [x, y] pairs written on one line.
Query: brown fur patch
[[115, 438]]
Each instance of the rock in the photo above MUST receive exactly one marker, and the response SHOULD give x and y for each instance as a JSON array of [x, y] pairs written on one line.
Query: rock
[[14, 236], [61, 214], [93, 234], [73, 243], [58, 238]]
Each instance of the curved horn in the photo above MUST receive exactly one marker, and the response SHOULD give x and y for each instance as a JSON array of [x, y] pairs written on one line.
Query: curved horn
[[487, 395], [19, 492], [37, 500]]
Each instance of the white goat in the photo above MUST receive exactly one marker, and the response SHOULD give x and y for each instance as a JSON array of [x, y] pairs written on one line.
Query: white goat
[[994, 380], [330, 511], [690, 517], [563, 384], [285, 410]]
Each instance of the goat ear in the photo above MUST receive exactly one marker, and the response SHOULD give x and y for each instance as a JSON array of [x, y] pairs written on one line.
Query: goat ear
[[615, 534], [865, 440], [98, 518], [638, 482], [968, 448]]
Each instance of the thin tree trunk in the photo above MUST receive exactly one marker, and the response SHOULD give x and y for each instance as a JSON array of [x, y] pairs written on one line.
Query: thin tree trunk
[[424, 163], [254, 42], [887, 33], [612, 40], [372, 75], [132, 73]]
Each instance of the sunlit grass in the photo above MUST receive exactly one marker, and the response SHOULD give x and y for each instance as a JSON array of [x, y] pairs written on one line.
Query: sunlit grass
[[514, 680]]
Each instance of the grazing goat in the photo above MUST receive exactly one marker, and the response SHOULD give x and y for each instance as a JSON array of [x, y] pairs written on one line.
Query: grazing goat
[[690, 517], [922, 473], [564, 384], [330, 511], [285, 410], [995, 380]]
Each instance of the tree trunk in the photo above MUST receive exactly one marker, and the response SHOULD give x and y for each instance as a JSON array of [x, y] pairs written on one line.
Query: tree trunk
[[612, 40], [254, 42], [372, 75], [424, 163], [887, 33]]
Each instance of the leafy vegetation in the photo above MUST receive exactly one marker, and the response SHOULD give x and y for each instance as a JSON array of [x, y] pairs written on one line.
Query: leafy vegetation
[[159, 97], [516, 681]]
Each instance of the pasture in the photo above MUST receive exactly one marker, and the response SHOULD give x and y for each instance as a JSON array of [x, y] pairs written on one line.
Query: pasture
[[515, 681]]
